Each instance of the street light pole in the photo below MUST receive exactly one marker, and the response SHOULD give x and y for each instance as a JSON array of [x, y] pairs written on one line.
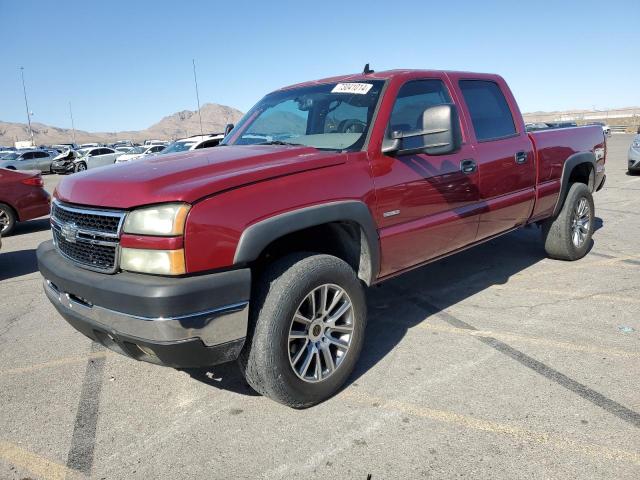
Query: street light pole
[[26, 104], [73, 128], [195, 80]]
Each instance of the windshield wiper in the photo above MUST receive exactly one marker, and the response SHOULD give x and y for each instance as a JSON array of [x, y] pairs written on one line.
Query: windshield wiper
[[278, 142]]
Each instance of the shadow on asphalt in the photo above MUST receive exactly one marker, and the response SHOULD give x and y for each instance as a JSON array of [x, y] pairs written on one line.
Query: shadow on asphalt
[[447, 282], [18, 263], [37, 225]]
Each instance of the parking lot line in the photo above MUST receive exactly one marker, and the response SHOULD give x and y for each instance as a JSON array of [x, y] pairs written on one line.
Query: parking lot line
[[527, 339], [560, 441], [568, 294], [35, 464], [615, 262], [54, 363]]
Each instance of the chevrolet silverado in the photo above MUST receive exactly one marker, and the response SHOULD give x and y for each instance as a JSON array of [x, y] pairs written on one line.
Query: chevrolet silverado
[[258, 250]]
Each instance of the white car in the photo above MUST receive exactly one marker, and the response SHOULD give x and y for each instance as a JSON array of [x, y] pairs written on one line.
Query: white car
[[193, 143], [140, 152], [124, 149], [89, 158]]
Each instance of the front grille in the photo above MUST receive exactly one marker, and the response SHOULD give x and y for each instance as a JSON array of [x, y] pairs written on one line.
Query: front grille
[[99, 257], [90, 238], [86, 219]]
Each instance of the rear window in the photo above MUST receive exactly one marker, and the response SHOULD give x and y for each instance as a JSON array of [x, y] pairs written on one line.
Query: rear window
[[488, 108]]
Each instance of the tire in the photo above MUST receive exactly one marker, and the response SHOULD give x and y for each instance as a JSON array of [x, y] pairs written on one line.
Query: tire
[[560, 238], [81, 167], [267, 360], [7, 220]]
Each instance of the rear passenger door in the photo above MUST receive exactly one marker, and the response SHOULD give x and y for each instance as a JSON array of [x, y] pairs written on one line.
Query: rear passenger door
[[503, 153], [43, 160]]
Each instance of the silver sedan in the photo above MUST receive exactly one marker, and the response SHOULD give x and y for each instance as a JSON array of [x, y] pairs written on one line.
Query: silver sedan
[[27, 160]]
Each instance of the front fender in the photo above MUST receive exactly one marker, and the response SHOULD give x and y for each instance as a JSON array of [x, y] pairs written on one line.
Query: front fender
[[259, 235]]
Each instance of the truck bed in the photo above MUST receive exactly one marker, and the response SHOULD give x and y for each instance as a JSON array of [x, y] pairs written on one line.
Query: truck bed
[[552, 148]]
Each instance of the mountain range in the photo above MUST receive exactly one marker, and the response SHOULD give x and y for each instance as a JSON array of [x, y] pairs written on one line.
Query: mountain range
[[178, 125]]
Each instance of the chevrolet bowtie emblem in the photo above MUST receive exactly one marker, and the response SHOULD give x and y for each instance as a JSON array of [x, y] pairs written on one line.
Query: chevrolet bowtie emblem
[[69, 232]]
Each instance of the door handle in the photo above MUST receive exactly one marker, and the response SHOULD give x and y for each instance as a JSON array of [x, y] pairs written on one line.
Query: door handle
[[468, 166], [521, 157]]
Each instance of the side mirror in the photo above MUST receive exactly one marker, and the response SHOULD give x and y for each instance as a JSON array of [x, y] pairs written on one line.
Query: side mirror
[[228, 128], [440, 133]]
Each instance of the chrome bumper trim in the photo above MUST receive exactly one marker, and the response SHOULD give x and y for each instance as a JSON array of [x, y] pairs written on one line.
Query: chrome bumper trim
[[213, 327]]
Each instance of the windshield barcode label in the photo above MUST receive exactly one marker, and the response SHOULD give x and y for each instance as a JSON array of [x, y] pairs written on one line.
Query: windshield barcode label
[[357, 88]]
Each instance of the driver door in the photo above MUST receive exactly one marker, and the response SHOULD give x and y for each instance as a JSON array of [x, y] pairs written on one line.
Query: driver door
[[427, 204]]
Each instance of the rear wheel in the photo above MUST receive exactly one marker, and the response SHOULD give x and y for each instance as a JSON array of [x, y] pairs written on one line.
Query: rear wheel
[[568, 236], [308, 322], [7, 220]]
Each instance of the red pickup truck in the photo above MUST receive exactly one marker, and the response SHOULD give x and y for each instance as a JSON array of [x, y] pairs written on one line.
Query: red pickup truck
[[259, 250]]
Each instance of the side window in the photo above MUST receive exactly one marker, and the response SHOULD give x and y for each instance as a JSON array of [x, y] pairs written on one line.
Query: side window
[[158, 148], [41, 155], [209, 143], [414, 98], [489, 110], [28, 156]]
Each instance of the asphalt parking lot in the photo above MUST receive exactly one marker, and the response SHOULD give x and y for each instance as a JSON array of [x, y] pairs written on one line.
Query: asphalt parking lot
[[494, 363]]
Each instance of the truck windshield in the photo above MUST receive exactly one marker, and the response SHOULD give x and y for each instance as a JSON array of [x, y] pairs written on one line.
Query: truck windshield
[[330, 116]]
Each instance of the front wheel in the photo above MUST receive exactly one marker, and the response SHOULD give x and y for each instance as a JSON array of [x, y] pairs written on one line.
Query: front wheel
[[568, 236], [81, 167], [308, 321]]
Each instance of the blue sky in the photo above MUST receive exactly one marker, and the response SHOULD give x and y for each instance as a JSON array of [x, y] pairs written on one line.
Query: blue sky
[[126, 64]]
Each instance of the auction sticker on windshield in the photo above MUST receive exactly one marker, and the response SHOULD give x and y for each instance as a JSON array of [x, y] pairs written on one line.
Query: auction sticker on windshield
[[358, 88]]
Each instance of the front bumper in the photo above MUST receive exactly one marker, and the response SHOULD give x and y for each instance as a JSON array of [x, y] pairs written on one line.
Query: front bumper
[[63, 168], [178, 322]]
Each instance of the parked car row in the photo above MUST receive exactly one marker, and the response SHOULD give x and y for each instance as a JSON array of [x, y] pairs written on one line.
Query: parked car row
[[69, 158], [536, 126]]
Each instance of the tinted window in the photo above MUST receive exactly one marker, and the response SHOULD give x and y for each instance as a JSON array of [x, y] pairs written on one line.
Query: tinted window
[[414, 98], [28, 156], [209, 143], [41, 154], [488, 108]]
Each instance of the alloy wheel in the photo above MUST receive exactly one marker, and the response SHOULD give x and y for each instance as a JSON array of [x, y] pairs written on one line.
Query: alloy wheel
[[581, 223], [4, 220], [320, 333]]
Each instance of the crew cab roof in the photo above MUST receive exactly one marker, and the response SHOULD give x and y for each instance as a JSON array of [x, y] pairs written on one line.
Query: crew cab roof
[[389, 74]]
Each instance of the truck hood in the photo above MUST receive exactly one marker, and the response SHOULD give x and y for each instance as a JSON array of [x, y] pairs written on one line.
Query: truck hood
[[189, 176]]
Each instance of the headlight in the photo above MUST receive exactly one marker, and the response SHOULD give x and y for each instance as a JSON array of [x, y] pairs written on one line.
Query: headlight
[[163, 220], [158, 262]]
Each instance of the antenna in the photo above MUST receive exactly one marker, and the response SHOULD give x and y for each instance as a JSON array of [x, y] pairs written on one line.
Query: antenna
[[73, 128], [195, 79], [367, 70], [26, 104]]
